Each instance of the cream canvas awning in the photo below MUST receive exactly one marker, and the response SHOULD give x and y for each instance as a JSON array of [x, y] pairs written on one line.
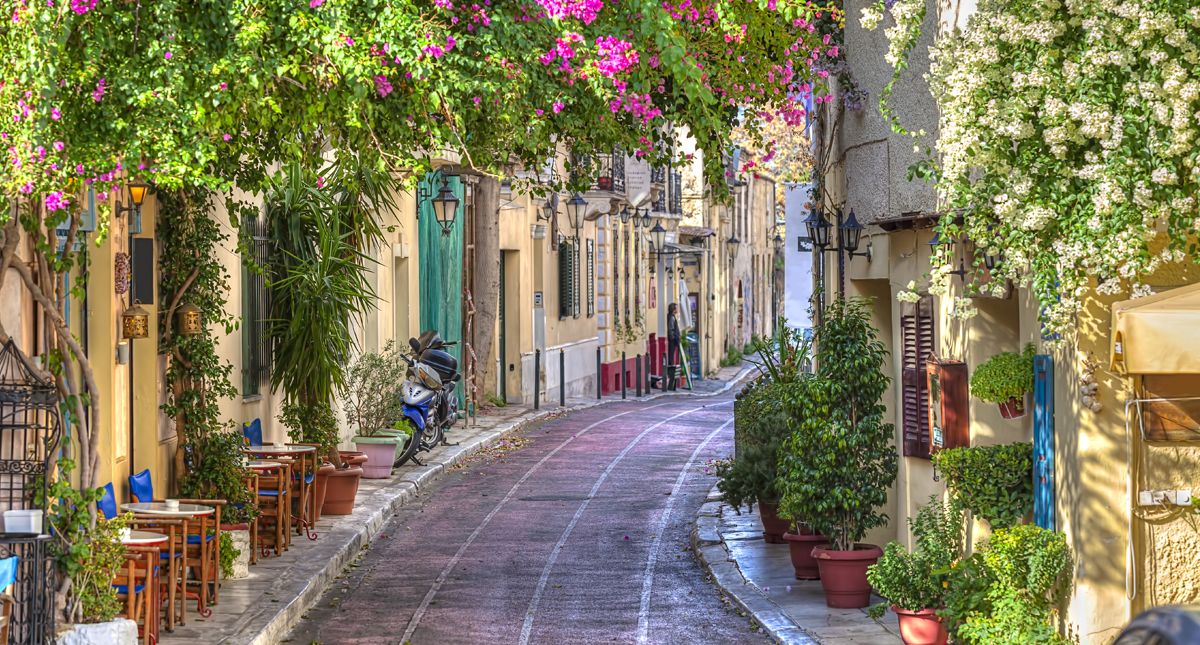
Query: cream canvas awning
[[1158, 334]]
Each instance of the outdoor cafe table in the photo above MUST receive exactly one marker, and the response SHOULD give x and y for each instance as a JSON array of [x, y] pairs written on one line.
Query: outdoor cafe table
[[307, 456], [185, 512], [143, 538]]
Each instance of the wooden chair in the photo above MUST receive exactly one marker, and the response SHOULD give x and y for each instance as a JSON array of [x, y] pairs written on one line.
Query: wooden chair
[[173, 558], [137, 586], [251, 481], [274, 503], [204, 548], [6, 607]]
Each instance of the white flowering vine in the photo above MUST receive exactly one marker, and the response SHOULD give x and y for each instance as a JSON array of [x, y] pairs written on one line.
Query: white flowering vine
[[1067, 144]]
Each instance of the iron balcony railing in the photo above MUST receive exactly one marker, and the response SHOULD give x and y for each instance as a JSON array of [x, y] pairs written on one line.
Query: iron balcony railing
[[609, 170], [658, 175]]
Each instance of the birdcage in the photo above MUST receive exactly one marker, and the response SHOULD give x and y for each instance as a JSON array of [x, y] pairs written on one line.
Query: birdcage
[[29, 433]]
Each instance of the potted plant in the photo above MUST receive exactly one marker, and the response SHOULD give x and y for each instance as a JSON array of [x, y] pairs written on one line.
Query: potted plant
[[1011, 591], [760, 426], [914, 581], [1005, 379], [836, 466], [995, 483], [374, 406], [216, 470]]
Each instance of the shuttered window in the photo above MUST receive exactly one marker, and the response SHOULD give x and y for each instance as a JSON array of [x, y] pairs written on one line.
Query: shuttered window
[[917, 335], [591, 278], [256, 308], [568, 279]]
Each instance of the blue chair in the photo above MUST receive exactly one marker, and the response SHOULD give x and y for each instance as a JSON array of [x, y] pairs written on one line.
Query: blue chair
[[252, 431], [8, 572], [141, 486], [108, 504]]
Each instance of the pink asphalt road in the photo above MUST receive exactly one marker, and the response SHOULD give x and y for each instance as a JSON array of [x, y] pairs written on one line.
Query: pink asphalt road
[[581, 535]]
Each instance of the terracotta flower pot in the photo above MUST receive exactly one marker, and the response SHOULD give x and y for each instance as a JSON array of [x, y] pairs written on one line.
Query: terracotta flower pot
[[922, 627], [381, 452], [844, 574], [340, 489], [353, 457], [801, 547], [773, 526], [320, 486], [1013, 408]]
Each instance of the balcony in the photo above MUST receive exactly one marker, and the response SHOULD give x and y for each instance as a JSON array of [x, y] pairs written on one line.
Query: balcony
[[608, 169], [658, 175]]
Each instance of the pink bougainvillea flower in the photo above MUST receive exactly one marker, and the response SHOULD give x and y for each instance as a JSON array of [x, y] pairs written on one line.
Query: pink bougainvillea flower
[[226, 136], [27, 188], [583, 10], [168, 55], [55, 201], [382, 85], [59, 145], [557, 107], [320, 181], [223, 86], [98, 93], [81, 7], [55, 114], [315, 3], [476, 100]]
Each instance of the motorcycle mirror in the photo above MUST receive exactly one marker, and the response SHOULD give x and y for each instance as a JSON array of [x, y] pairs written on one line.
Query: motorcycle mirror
[[412, 342]]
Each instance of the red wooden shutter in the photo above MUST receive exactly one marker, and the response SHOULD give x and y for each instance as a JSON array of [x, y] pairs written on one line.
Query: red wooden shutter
[[917, 338]]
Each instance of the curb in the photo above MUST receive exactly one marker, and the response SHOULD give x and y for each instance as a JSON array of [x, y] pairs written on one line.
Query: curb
[[372, 512], [710, 548]]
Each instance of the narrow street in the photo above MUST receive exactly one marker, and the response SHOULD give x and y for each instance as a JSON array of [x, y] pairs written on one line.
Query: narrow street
[[577, 533]]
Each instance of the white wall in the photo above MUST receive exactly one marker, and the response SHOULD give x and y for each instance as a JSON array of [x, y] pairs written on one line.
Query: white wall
[[797, 265]]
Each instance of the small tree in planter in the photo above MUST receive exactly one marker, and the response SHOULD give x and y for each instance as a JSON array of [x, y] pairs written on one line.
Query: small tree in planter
[[1005, 379], [915, 581], [373, 404], [760, 425], [837, 465]]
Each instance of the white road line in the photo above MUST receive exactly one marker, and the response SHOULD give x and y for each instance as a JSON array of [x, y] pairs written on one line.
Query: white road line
[[445, 573], [652, 559], [527, 630]]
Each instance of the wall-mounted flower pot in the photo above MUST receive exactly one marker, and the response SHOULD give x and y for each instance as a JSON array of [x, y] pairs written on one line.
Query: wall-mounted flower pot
[[773, 526], [844, 574], [381, 452], [801, 547], [1013, 408], [922, 627], [340, 490]]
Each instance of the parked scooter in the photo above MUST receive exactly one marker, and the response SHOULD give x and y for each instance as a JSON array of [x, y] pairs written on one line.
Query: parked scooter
[[430, 399]]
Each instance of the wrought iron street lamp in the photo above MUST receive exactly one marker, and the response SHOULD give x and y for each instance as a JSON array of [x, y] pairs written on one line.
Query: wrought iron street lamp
[[576, 208], [445, 207], [137, 195], [940, 244]]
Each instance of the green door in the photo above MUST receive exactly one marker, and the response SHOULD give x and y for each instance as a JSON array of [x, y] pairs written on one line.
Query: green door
[[441, 277]]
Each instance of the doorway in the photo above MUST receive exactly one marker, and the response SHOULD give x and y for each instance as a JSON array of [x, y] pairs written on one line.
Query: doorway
[[441, 262]]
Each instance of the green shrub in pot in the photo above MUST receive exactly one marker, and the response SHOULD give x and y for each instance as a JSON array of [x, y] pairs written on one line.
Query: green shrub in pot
[[915, 580], [838, 462], [1011, 590], [1005, 376], [995, 483]]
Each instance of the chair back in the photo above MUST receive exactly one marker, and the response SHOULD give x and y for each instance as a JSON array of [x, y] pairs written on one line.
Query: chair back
[[141, 486], [8, 572], [252, 431], [108, 504]]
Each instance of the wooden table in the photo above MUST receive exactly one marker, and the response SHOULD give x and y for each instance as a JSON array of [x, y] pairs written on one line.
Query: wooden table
[[307, 457], [144, 538], [187, 513]]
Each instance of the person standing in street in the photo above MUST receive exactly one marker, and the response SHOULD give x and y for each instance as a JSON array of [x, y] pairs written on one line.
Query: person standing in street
[[673, 351]]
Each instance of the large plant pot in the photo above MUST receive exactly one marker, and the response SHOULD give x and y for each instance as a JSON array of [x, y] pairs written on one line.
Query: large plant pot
[[381, 452], [801, 546], [922, 627], [239, 535], [1013, 408], [353, 457], [844, 574], [773, 526], [340, 490], [321, 486]]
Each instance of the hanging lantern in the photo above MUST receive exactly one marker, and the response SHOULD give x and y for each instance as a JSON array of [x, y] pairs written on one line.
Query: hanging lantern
[[190, 323], [135, 322]]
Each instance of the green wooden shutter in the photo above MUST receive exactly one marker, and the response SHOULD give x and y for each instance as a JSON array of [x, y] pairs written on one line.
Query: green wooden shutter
[[441, 262], [566, 280]]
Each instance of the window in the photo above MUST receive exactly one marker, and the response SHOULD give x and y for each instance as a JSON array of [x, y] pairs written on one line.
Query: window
[[591, 278], [916, 328], [568, 279], [256, 346]]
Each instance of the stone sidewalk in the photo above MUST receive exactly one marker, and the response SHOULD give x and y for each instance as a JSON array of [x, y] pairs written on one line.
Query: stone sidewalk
[[263, 608], [759, 577]]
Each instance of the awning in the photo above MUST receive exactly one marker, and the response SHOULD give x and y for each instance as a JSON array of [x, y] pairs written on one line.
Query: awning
[[672, 247], [696, 231], [1158, 334]]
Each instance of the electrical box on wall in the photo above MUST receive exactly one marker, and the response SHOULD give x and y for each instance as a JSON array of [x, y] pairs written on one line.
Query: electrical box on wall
[[949, 409]]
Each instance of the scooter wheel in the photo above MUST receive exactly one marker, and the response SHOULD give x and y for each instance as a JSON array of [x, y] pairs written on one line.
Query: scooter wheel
[[410, 448]]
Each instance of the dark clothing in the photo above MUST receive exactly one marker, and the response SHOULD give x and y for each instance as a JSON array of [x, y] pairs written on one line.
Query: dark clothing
[[673, 350]]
